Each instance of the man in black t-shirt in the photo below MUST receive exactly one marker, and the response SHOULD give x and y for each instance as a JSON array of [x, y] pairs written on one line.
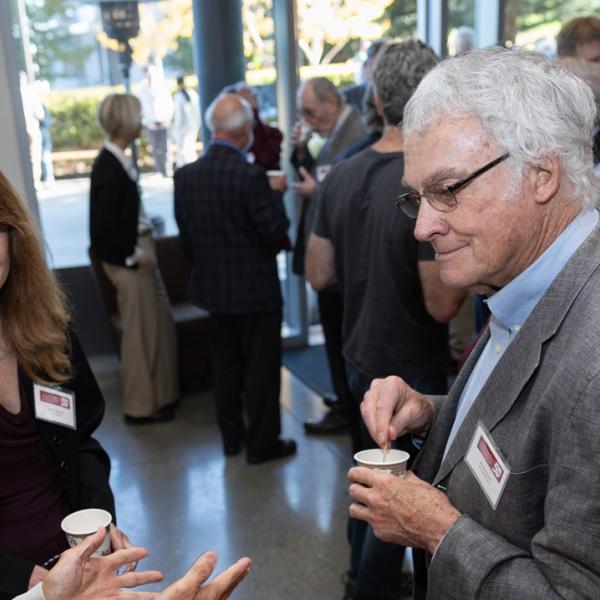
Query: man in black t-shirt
[[395, 307]]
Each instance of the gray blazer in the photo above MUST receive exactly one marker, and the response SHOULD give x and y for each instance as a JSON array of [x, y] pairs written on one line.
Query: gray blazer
[[541, 405], [350, 132]]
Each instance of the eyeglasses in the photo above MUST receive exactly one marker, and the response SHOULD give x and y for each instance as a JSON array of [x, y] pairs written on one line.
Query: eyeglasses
[[442, 198]]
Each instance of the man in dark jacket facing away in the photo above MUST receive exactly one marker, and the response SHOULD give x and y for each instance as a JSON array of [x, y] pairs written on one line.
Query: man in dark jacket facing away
[[232, 223]]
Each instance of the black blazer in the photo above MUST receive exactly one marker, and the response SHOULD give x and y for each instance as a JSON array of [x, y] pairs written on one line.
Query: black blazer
[[232, 225], [114, 209], [82, 463]]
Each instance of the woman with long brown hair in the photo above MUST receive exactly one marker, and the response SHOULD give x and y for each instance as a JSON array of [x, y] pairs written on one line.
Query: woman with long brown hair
[[50, 405]]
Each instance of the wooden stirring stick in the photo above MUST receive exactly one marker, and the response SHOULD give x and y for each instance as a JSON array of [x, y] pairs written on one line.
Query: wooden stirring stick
[[385, 451]]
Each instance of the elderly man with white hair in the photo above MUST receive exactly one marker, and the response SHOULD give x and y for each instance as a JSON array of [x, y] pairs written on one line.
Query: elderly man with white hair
[[503, 496], [232, 224]]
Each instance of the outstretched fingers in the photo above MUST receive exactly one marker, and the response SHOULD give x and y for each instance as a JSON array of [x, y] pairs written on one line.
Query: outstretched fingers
[[123, 557], [201, 570], [229, 579], [133, 579], [91, 544], [188, 586]]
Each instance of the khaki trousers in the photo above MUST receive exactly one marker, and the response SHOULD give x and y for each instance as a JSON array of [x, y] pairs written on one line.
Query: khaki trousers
[[148, 343]]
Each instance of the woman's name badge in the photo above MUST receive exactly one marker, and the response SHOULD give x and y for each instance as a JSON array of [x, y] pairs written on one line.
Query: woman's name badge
[[54, 405], [487, 465]]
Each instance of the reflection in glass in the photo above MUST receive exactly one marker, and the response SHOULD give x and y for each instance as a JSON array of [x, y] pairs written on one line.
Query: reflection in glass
[[534, 25], [461, 26]]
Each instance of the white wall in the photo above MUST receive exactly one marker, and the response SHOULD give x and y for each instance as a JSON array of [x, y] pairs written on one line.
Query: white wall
[[14, 151]]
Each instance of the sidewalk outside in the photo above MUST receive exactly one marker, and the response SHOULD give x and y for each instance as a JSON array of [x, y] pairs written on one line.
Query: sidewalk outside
[[64, 215]]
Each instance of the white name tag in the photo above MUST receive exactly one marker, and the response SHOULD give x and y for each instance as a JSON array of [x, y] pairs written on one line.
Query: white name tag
[[54, 405], [487, 464], [322, 172]]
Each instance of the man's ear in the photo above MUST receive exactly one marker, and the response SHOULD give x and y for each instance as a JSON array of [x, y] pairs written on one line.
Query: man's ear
[[545, 178], [331, 102]]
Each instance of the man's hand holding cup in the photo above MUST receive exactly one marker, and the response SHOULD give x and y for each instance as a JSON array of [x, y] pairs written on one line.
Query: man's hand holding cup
[[277, 180], [300, 134]]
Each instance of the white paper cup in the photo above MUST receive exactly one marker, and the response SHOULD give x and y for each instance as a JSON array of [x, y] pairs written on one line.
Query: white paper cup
[[395, 462], [83, 523], [275, 173]]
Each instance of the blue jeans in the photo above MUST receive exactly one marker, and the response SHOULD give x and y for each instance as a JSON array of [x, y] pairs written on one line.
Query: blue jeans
[[376, 566]]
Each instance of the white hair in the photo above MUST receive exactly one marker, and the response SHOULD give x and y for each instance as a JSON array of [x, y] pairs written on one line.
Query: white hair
[[234, 120], [529, 105], [464, 39]]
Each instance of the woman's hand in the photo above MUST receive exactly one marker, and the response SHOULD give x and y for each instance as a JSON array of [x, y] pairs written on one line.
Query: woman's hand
[[79, 576], [37, 575], [119, 541], [190, 586]]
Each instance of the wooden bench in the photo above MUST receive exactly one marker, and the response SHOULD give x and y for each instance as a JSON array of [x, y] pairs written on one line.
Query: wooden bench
[[191, 322]]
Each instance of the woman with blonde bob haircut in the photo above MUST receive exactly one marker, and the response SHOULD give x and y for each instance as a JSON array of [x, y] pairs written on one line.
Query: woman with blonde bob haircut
[[120, 115], [120, 239], [50, 463]]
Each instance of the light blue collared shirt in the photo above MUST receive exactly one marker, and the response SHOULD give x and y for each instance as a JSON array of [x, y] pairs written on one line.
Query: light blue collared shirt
[[511, 306], [229, 145]]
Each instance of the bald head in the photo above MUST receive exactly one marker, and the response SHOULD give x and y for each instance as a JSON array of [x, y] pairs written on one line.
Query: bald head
[[229, 117], [228, 113]]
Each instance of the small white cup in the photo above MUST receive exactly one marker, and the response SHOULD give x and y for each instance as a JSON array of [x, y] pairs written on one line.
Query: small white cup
[[275, 173], [395, 461], [83, 523]]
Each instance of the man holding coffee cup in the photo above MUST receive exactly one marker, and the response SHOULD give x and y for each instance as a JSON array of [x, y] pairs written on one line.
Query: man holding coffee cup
[[232, 223], [502, 497]]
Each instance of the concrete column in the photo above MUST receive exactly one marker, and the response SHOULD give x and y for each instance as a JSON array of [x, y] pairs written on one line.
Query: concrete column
[[14, 150], [219, 48]]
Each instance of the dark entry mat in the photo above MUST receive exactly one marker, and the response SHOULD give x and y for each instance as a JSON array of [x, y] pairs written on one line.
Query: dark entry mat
[[311, 367]]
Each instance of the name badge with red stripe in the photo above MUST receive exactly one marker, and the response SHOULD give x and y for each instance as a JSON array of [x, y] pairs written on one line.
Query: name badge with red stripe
[[487, 464], [322, 172], [54, 405]]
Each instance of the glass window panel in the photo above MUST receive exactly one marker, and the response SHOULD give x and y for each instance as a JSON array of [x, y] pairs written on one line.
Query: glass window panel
[[69, 63], [461, 26], [333, 36], [333, 39], [259, 49], [534, 24]]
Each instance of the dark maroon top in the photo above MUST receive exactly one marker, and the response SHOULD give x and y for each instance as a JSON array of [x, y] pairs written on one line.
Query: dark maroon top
[[32, 500], [267, 144]]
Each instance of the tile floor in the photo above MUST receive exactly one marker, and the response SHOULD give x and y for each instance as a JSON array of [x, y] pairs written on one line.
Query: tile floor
[[179, 496]]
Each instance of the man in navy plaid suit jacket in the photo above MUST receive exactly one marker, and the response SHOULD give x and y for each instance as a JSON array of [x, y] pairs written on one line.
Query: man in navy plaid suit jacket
[[232, 223]]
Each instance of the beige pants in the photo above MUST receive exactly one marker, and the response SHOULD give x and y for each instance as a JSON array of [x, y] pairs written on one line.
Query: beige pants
[[148, 345]]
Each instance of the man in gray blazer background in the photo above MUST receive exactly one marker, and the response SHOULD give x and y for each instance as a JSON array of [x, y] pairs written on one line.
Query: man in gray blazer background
[[338, 127], [503, 498]]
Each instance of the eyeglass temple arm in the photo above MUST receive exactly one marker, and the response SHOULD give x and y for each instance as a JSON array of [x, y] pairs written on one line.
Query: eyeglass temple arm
[[462, 182]]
